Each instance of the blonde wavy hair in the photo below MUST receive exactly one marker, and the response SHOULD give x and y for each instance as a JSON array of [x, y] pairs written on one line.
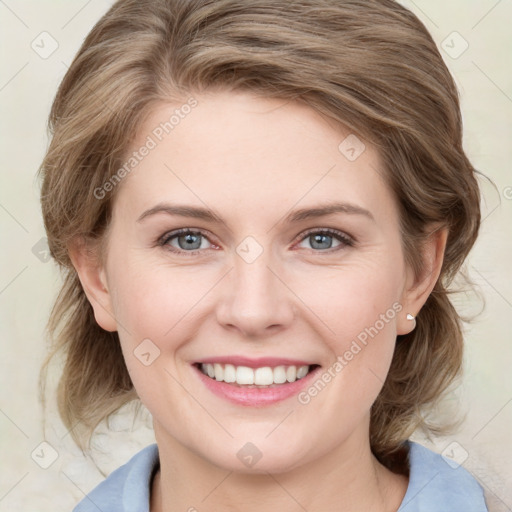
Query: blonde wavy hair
[[368, 64]]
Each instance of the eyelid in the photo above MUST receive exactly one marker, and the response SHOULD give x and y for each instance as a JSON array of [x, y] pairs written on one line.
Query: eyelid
[[346, 239], [168, 235], [174, 232]]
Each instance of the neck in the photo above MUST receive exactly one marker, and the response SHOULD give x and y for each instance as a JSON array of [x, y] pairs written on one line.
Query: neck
[[346, 479]]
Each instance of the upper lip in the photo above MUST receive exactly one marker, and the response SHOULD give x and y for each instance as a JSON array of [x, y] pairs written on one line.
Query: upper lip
[[258, 362]]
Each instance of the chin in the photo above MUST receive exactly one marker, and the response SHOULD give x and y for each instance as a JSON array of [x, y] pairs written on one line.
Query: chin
[[248, 458]]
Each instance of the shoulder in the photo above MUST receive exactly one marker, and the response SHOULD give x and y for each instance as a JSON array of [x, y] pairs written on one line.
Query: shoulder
[[127, 488], [438, 484]]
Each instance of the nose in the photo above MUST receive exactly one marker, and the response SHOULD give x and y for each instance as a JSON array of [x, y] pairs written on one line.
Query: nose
[[257, 300]]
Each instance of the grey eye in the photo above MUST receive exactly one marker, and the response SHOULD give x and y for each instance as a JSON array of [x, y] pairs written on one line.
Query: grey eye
[[321, 241]]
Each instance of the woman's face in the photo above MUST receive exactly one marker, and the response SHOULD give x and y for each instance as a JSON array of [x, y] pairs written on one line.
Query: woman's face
[[272, 285]]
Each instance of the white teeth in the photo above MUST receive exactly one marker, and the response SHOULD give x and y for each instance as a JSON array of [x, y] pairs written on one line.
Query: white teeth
[[302, 372], [291, 374], [244, 375], [279, 375], [219, 371], [264, 376], [229, 373]]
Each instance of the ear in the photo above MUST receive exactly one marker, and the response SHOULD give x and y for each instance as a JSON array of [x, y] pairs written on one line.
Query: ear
[[92, 276], [418, 288]]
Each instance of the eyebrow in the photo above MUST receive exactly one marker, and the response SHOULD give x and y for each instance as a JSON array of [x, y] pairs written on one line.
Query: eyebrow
[[295, 216]]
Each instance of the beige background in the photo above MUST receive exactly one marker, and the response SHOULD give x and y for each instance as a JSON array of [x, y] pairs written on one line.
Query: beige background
[[28, 282]]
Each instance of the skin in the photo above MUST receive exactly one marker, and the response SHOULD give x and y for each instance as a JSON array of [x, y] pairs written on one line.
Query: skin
[[252, 161]]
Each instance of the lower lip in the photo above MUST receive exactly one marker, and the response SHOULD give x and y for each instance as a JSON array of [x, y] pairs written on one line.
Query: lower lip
[[254, 397]]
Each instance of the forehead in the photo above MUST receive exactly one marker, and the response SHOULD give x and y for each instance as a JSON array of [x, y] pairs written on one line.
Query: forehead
[[236, 151]]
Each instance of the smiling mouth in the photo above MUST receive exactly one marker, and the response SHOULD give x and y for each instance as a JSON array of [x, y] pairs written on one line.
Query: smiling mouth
[[263, 377]]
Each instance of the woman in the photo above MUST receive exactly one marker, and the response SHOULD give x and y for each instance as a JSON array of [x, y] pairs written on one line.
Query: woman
[[260, 207]]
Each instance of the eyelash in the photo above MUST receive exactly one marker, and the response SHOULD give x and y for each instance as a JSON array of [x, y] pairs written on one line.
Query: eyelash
[[347, 241]]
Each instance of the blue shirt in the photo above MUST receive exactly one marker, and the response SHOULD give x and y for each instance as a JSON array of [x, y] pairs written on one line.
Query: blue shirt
[[434, 485]]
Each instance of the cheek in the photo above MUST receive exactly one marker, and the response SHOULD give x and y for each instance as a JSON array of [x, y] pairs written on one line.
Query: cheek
[[350, 301], [151, 297], [359, 308]]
